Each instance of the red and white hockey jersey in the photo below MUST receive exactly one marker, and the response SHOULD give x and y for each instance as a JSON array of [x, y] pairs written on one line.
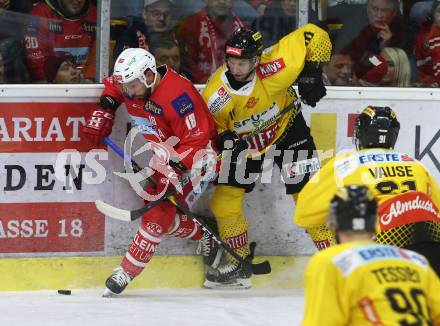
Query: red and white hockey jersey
[[174, 109]]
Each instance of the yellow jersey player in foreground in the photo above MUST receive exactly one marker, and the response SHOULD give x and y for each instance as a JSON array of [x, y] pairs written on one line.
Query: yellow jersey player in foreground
[[247, 92], [359, 282], [408, 195]]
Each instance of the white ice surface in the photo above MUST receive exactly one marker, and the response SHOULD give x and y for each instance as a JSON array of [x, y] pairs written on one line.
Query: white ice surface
[[177, 307]]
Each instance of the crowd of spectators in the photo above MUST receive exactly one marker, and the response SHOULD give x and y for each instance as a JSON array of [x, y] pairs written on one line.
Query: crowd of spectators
[[390, 43]]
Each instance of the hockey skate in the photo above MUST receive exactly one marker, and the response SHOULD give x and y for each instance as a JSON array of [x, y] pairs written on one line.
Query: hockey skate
[[231, 275], [208, 248], [117, 282]]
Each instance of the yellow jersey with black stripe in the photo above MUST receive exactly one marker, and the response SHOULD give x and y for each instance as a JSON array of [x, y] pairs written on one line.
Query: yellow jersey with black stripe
[[270, 90], [362, 283]]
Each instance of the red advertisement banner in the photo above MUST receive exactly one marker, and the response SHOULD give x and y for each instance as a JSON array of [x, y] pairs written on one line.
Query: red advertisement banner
[[51, 227], [43, 127]]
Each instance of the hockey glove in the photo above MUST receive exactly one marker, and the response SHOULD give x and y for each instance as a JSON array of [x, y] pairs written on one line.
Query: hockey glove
[[310, 85], [99, 124], [164, 177], [230, 140]]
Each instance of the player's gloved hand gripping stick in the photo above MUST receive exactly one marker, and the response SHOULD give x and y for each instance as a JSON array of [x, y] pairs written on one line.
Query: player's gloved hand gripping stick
[[131, 215], [260, 268]]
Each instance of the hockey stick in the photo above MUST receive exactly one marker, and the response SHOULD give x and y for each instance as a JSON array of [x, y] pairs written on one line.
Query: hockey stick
[[108, 210], [127, 215]]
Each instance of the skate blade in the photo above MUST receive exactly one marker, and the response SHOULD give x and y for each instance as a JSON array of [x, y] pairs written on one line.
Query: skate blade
[[107, 293], [218, 258], [240, 283]]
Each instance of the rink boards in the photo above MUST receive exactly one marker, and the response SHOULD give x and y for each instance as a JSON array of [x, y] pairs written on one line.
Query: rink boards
[[49, 178]]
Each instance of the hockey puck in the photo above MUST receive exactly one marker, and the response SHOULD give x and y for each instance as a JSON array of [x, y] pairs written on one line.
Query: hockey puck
[[65, 292]]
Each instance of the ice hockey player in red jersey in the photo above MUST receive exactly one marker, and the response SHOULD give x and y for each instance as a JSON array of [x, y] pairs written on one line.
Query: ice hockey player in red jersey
[[163, 105]]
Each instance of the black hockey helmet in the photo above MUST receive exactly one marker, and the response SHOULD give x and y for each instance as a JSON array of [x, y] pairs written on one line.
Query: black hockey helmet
[[244, 43], [353, 208], [376, 126]]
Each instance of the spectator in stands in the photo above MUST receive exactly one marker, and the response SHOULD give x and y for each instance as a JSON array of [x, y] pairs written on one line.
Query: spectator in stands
[[167, 51], [12, 67], [156, 20], [260, 5], [13, 18], [61, 25], [374, 68], [427, 49], [203, 36], [339, 71], [385, 29], [278, 20], [61, 68], [246, 10], [23, 6], [399, 69]]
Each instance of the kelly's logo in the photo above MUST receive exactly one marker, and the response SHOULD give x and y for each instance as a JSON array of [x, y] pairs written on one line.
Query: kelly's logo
[[271, 68]]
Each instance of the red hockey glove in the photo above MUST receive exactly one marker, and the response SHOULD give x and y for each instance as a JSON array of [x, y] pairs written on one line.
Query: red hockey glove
[[99, 124], [165, 176]]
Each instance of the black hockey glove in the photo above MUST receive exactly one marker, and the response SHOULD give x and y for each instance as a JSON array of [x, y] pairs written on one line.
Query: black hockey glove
[[310, 85], [229, 140]]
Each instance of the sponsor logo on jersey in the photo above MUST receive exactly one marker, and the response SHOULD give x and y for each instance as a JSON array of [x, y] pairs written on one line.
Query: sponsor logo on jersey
[[218, 100], [144, 125], [55, 26], [263, 138], [303, 167], [255, 120], [252, 102], [351, 259], [153, 108], [233, 51], [271, 68], [183, 105], [89, 27], [72, 36], [374, 157], [406, 208], [153, 228]]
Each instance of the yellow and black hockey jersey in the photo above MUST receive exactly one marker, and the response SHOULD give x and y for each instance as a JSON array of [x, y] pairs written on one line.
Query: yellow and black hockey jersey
[[362, 283], [396, 180], [271, 89]]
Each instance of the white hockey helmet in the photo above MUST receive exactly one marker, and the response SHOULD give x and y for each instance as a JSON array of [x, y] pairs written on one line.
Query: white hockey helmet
[[132, 64]]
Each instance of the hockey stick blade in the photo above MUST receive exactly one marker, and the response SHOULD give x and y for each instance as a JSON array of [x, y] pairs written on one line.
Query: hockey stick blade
[[261, 268], [113, 212]]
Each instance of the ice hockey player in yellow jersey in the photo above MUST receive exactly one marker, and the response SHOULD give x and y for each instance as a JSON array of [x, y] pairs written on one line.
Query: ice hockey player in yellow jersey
[[247, 92], [359, 282], [408, 195]]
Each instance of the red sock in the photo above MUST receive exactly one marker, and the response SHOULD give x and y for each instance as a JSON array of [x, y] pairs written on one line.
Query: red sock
[[141, 251]]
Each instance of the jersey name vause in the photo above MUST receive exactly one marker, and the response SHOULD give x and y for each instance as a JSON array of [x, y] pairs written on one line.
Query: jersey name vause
[[252, 122], [271, 68], [218, 100]]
